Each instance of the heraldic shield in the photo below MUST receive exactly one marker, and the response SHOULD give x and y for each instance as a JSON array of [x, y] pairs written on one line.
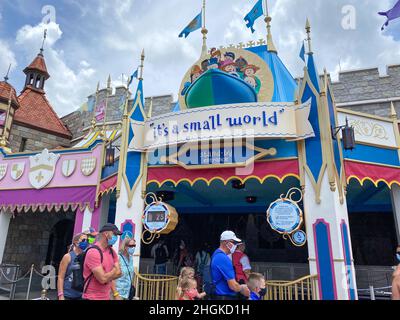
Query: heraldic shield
[[42, 168]]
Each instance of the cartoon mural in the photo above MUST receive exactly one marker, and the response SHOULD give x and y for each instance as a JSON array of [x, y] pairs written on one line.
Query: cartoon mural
[[239, 63]]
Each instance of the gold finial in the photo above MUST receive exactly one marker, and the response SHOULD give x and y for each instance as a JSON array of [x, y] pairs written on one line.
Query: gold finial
[[270, 42], [3, 140], [141, 65], [308, 30], [150, 108], [393, 113]]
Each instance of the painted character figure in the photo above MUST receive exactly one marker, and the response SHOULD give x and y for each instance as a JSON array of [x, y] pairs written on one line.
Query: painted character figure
[[249, 72], [230, 67], [229, 56], [240, 64], [204, 65], [195, 73], [215, 53], [213, 63]]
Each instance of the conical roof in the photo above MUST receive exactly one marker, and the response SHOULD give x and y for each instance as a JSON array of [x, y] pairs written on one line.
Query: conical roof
[[7, 91], [39, 65]]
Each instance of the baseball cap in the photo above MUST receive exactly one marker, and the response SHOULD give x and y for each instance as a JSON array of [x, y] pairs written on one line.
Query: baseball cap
[[110, 227], [229, 235]]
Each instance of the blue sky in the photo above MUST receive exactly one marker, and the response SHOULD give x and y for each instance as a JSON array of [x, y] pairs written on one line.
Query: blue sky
[[94, 38]]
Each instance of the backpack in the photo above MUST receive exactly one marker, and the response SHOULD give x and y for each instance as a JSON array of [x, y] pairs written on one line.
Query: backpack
[[79, 283], [210, 287]]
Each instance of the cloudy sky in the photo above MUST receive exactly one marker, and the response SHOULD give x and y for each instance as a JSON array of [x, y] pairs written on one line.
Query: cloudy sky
[[90, 39]]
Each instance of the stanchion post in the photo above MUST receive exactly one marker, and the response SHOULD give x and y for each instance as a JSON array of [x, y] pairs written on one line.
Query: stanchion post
[[372, 292], [30, 283]]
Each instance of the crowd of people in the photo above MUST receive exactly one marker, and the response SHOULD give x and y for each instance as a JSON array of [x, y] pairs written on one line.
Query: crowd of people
[[93, 270], [226, 275]]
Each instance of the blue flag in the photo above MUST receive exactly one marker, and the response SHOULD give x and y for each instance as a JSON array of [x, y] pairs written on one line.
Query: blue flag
[[303, 52], [391, 14], [193, 26], [134, 76], [254, 14]]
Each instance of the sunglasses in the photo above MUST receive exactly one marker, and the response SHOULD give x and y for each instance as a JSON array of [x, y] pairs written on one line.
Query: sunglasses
[[132, 246]]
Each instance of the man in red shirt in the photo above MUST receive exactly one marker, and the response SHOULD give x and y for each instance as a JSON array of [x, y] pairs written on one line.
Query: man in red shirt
[[101, 269]]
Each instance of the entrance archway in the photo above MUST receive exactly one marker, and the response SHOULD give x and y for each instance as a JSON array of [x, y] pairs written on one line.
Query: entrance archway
[[60, 238]]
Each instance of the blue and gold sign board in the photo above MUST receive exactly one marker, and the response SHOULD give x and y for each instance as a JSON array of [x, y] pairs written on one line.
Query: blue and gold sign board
[[285, 217]]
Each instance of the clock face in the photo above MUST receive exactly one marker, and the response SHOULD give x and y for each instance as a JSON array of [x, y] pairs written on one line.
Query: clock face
[[156, 217]]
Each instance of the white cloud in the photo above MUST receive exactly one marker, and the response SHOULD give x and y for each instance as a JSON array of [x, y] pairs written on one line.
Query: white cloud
[[7, 57], [66, 88]]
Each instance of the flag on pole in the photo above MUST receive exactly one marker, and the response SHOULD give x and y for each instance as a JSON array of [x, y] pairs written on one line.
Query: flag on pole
[[254, 14], [391, 14], [194, 25], [303, 52], [100, 111], [134, 76]]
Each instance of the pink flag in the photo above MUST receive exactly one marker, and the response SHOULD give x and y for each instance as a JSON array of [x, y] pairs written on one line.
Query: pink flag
[[100, 111]]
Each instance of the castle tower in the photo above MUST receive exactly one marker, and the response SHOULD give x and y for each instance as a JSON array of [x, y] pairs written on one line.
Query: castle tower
[[8, 105], [36, 117]]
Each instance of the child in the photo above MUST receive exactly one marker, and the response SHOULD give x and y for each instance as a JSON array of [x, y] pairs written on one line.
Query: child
[[186, 273], [189, 290], [256, 284]]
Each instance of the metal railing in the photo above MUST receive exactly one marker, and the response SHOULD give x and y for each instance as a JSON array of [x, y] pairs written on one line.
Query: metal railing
[[155, 287], [305, 288]]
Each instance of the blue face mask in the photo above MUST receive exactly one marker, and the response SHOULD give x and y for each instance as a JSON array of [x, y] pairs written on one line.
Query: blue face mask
[[83, 245], [113, 240], [131, 251], [398, 256]]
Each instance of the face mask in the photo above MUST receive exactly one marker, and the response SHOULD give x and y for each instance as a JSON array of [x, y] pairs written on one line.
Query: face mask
[[113, 240], [398, 256], [131, 251], [233, 248], [192, 293], [83, 245], [263, 292]]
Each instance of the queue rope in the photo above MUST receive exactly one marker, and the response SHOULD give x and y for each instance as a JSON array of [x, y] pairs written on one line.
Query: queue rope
[[14, 281]]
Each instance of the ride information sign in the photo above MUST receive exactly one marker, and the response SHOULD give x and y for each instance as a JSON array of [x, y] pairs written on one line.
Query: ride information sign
[[284, 216]]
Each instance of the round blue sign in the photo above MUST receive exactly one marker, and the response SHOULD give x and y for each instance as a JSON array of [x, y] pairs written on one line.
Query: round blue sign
[[284, 216], [299, 237]]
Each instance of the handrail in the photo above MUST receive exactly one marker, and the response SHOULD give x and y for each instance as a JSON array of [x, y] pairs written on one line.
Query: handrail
[[280, 283], [160, 277], [305, 288]]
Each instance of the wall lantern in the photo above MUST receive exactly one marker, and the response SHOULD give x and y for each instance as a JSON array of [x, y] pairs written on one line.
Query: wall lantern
[[348, 136], [110, 156], [238, 185]]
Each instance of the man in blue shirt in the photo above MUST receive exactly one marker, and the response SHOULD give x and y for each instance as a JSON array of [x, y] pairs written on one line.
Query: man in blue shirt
[[222, 271]]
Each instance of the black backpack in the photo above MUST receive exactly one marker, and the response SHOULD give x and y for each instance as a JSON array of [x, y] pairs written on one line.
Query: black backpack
[[79, 283]]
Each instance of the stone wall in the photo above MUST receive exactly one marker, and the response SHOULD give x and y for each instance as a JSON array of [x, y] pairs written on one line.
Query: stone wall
[[28, 238], [36, 140], [367, 84], [80, 120]]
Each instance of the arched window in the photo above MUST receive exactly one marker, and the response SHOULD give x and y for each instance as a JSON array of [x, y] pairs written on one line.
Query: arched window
[[37, 84]]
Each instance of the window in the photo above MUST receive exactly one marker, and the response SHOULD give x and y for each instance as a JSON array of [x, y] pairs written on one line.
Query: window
[[22, 146]]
